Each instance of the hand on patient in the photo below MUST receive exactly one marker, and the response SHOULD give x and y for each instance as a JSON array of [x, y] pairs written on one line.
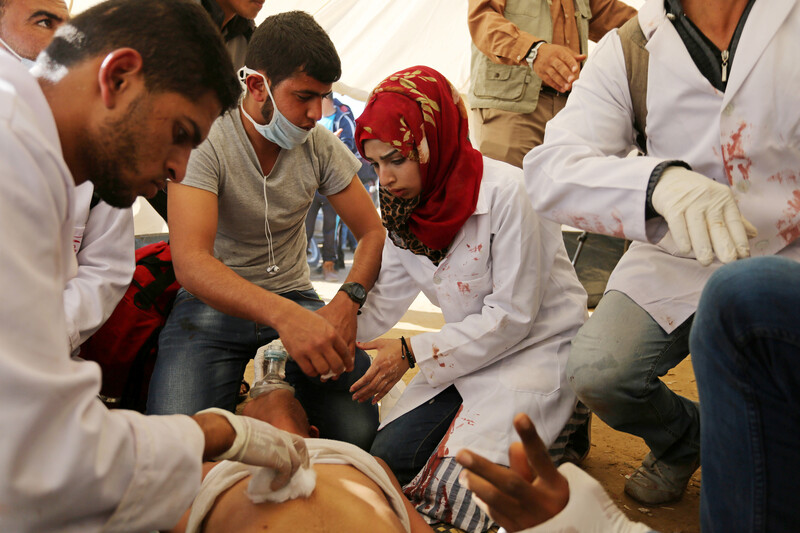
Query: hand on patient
[[528, 493], [258, 443], [342, 314], [387, 368], [314, 343], [702, 215]]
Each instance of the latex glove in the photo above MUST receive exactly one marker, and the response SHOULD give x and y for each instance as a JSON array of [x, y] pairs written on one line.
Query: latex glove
[[702, 215], [260, 444]]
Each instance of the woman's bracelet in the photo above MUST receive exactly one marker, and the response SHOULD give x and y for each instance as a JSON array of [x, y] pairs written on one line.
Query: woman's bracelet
[[406, 353]]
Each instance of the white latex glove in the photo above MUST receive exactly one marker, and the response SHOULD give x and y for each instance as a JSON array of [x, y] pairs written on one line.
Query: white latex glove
[[702, 216], [589, 509], [260, 444]]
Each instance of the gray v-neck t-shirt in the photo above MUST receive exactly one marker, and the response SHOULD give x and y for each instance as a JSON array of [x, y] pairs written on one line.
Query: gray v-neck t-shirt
[[226, 165]]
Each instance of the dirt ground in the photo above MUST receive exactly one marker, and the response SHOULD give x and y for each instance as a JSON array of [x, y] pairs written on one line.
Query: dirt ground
[[613, 455]]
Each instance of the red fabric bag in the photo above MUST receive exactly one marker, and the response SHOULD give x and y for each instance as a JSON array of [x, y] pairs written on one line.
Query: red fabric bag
[[126, 346]]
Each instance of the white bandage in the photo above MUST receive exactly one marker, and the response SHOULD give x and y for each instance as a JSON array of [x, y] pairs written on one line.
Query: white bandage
[[589, 509], [260, 487]]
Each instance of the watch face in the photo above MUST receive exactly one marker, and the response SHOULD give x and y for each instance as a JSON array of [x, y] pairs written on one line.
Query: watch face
[[359, 292], [356, 291]]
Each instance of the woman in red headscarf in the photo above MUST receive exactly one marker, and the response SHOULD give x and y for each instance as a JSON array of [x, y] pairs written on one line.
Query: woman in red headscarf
[[461, 229]]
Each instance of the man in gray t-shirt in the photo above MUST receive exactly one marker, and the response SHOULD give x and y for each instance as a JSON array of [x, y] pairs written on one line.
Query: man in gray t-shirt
[[239, 245]]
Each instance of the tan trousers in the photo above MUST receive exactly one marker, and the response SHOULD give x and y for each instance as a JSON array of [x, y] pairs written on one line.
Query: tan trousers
[[508, 136]]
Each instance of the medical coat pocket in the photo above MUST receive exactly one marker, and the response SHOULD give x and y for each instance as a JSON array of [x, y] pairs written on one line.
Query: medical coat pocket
[[468, 293]]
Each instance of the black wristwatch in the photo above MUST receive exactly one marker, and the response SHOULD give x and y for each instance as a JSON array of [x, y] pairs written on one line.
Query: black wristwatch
[[355, 291]]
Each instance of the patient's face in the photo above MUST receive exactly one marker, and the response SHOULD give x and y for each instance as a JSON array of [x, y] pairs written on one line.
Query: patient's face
[[281, 409]]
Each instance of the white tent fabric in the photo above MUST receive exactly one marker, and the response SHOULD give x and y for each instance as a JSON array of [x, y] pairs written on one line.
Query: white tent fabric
[[378, 37], [375, 38]]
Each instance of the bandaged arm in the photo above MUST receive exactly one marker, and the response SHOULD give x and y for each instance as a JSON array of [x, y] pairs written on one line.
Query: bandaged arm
[[589, 509]]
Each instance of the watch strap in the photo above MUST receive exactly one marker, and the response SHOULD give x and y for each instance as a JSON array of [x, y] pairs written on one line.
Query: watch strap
[[533, 52], [352, 288]]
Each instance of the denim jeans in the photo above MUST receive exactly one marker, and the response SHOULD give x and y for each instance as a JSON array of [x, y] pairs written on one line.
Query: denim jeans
[[408, 442], [614, 367], [746, 354], [328, 225], [203, 354]]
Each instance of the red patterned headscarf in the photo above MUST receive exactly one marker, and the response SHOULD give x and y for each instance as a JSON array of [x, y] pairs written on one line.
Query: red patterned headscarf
[[420, 113]]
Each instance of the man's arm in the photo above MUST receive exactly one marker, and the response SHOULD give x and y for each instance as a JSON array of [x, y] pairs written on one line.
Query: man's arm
[[580, 175], [311, 340], [607, 15], [494, 35], [533, 496], [355, 207], [503, 42]]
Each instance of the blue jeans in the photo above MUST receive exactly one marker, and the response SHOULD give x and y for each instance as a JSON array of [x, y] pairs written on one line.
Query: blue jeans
[[203, 354], [408, 442], [614, 367], [746, 354]]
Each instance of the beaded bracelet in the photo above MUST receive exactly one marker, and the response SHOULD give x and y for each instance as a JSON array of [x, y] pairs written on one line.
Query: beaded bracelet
[[405, 352]]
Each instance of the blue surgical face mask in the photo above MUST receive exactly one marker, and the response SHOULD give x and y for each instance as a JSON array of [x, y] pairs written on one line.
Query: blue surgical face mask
[[28, 63], [280, 129]]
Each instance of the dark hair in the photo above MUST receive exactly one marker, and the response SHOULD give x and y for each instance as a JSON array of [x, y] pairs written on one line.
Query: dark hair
[[290, 42], [182, 51]]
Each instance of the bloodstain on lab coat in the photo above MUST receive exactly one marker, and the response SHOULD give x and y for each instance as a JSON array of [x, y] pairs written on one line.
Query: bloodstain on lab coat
[[437, 355], [734, 151], [598, 226], [789, 226], [787, 176]]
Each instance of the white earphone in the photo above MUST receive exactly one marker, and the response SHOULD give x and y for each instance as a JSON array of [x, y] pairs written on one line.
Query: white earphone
[[273, 268]]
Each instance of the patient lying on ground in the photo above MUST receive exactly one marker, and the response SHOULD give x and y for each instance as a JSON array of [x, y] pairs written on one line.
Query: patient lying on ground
[[354, 491]]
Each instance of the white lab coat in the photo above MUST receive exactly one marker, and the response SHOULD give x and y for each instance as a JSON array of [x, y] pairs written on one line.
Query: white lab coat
[[66, 462], [103, 241], [747, 137], [511, 303]]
